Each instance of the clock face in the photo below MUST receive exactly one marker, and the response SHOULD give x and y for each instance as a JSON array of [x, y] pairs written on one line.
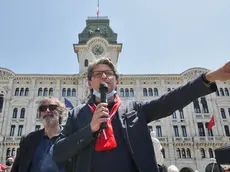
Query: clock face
[[97, 50]]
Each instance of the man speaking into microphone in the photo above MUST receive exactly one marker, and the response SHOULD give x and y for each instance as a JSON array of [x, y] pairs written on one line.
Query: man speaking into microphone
[[124, 143]]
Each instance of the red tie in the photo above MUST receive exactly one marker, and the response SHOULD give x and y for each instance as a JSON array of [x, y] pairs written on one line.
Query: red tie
[[106, 140]]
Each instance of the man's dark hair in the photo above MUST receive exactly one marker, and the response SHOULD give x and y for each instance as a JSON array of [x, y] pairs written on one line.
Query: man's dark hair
[[105, 61]]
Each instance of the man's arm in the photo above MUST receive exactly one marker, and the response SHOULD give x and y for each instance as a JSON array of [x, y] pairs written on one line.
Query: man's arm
[[72, 141], [176, 99], [17, 160]]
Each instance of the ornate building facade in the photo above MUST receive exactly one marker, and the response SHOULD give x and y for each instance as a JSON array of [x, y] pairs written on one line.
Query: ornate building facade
[[184, 136]]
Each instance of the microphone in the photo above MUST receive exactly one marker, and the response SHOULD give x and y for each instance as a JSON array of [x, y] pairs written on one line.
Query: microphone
[[103, 89]]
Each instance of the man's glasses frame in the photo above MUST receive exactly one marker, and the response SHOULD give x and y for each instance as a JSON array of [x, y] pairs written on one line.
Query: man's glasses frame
[[44, 108], [98, 74]]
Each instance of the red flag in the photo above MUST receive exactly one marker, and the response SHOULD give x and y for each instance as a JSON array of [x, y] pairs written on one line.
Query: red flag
[[98, 11], [211, 123]]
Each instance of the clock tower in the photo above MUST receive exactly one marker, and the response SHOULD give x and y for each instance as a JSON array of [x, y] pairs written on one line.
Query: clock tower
[[97, 40]]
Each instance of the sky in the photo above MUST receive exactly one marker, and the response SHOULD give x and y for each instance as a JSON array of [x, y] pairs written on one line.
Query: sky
[[158, 36]]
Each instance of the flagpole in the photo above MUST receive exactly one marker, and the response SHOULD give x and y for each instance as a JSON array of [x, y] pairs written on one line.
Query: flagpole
[[98, 11]]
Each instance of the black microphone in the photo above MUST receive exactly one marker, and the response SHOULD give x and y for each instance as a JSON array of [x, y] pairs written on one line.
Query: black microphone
[[103, 90]]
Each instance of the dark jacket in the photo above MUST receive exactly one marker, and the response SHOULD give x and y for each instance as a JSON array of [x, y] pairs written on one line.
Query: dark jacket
[[27, 147], [78, 141], [26, 150]]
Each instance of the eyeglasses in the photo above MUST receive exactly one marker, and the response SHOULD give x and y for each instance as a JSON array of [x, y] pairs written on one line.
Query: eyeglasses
[[98, 74], [44, 108]]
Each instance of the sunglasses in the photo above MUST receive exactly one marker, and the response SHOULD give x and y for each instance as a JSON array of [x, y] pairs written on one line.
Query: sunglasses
[[98, 74], [44, 108]]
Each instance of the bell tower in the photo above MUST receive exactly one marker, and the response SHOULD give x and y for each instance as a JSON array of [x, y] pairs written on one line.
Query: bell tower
[[97, 40]]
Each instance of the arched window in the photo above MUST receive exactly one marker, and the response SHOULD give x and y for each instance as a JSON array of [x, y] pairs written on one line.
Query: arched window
[[150, 92], [13, 152], [217, 93], [126, 92], [74, 92], [226, 92], [181, 114], [15, 111], [22, 92], [196, 106], [183, 153], [210, 153], [202, 152], [40, 92], [86, 63], [145, 92], [16, 92], [222, 111], [22, 115], [188, 153], [68, 92], [8, 152], [204, 104], [51, 92], [178, 153], [122, 92], [27, 92], [156, 92], [63, 92], [163, 152], [131, 92], [221, 92], [45, 93], [1, 102]]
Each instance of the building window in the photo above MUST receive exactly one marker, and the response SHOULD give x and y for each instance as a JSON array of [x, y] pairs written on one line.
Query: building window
[[178, 153], [204, 105], [188, 153], [22, 115], [74, 92], [16, 92], [163, 152], [158, 131], [222, 111], [122, 92], [217, 93], [63, 92], [20, 130], [210, 153], [181, 114], [126, 92], [196, 106], [68, 92], [27, 92], [156, 92], [174, 115], [8, 152], [150, 128], [226, 92], [150, 92], [229, 112], [184, 132], [22, 92], [145, 92], [201, 129], [40, 92], [45, 93], [1, 102], [37, 127], [15, 111], [86, 63], [131, 92], [183, 153], [226, 129], [221, 92], [12, 129], [13, 152], [176, 132], [51, 92], [202, 152]]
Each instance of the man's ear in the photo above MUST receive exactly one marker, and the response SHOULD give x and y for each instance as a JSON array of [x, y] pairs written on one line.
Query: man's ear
[[89, 84]]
